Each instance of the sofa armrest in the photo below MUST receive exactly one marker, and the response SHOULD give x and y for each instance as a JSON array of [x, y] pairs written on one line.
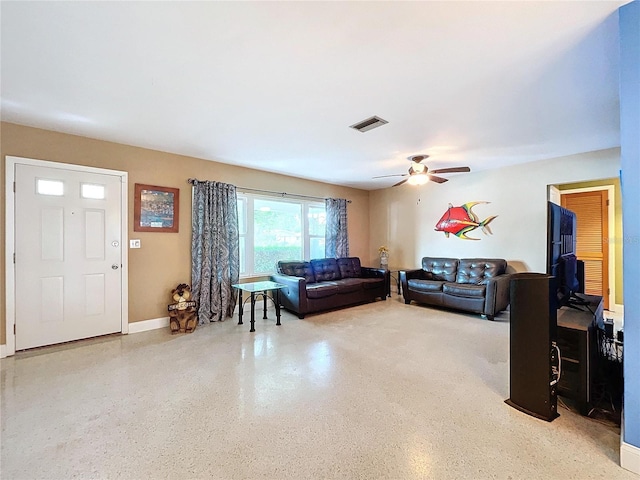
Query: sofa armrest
[[497, 294], [370, 272], [381, 273], [418, 273], [294, 297]]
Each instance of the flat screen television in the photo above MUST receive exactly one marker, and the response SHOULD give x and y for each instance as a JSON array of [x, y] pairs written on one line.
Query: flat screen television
[[562, 262]]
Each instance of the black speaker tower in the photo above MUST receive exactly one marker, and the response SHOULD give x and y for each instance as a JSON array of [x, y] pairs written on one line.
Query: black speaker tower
[[534, 358]]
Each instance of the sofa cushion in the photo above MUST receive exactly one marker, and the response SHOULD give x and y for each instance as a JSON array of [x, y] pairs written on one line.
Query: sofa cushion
[[325, 269], [478, 271], [321, 290], [350, 267], [444, 269], [371, 283], [297, 269], [464, 290], [425, 285], [348, 285]]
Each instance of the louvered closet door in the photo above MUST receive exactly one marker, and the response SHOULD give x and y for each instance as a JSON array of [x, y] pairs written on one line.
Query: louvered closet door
[[592, 245]]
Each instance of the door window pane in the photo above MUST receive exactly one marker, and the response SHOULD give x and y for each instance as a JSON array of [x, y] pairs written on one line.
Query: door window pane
[[89, 190], [50, 187]]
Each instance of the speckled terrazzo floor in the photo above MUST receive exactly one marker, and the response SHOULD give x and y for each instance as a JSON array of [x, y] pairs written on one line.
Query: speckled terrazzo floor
[[383, 390]]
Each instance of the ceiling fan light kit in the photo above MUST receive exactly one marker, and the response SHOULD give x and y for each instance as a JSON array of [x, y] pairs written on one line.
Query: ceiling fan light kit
[[419, 179], [417, 168], [420, 174]]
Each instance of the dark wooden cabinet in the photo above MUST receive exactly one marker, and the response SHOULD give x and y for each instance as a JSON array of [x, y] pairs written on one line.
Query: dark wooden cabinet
[[577, 341]]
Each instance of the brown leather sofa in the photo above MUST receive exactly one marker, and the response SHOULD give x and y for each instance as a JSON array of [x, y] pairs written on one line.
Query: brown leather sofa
[[327, 283], [478, 285]]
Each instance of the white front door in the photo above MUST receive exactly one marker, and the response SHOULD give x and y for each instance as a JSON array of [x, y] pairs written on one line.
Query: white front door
[[68, 255]]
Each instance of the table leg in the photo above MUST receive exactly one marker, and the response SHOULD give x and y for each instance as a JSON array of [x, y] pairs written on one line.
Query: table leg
[[240, 310], [277, 302], [264, 305], [253, 312]]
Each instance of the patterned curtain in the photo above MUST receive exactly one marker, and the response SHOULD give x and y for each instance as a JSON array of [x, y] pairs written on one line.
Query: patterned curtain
[[336, 236], [215, 250]]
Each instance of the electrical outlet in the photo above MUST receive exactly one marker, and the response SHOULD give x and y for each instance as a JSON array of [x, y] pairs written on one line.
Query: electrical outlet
[[134, 243]]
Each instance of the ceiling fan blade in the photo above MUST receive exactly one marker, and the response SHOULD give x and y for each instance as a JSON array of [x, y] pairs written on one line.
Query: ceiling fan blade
[[433, 178], [451, 170], [400, 183], [395, 175]]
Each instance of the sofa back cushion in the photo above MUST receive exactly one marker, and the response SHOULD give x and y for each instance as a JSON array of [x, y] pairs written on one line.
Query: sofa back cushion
[[297, 269], [478, 271], [325, 269], [444, 269], [350, 267]]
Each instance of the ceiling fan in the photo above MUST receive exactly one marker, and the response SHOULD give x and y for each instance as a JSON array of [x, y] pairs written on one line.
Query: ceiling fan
[[419, 174]]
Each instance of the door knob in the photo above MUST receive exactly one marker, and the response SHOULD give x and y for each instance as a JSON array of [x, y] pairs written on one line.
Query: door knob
[[115, 266]]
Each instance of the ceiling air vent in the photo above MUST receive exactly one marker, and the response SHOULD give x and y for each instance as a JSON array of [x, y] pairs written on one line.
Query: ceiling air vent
[[369, 123]]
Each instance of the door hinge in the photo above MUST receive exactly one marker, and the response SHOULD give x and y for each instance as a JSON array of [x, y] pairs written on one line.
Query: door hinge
[[14, 187], [14, 257], [608, 291], [607, 202], [14, 328]]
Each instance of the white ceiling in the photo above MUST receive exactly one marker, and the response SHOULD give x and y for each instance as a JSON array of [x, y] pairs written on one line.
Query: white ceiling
[[275, 85]]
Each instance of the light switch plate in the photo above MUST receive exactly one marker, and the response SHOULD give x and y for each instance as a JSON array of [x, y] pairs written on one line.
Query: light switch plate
[[134, 243]]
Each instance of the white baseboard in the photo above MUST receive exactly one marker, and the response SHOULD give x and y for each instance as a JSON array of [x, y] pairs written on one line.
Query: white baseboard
[[146, 325], [163, 322], [619, 309], [630, 457], [135, 327]]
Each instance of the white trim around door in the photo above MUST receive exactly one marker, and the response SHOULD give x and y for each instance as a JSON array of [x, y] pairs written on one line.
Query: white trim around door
[[11, 162]]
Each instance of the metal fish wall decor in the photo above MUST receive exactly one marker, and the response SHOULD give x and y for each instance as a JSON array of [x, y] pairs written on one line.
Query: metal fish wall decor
[[461, 220]]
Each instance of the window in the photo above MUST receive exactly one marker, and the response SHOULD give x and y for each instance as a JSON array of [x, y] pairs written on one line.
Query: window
[[273, 229], [93, 191], [50, 187]]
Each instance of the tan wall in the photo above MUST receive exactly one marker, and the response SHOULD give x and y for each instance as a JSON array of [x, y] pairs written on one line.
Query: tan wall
[[164, 259], [404, 217], [616, 242]]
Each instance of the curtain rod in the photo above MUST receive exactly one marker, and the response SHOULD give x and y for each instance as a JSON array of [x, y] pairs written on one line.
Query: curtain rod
[[282, 194]]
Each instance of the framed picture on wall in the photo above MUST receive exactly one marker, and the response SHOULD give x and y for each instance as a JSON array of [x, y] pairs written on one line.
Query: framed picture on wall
[[156, 209]]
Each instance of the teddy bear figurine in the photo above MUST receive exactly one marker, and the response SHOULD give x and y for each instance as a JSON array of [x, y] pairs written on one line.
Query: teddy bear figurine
[[182, 313]]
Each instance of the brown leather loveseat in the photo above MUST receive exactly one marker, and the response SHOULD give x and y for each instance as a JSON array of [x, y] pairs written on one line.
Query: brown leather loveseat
[[478, 285], [327, 283]]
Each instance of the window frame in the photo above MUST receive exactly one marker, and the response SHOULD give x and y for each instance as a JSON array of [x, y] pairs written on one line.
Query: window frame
[[248, 235]]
